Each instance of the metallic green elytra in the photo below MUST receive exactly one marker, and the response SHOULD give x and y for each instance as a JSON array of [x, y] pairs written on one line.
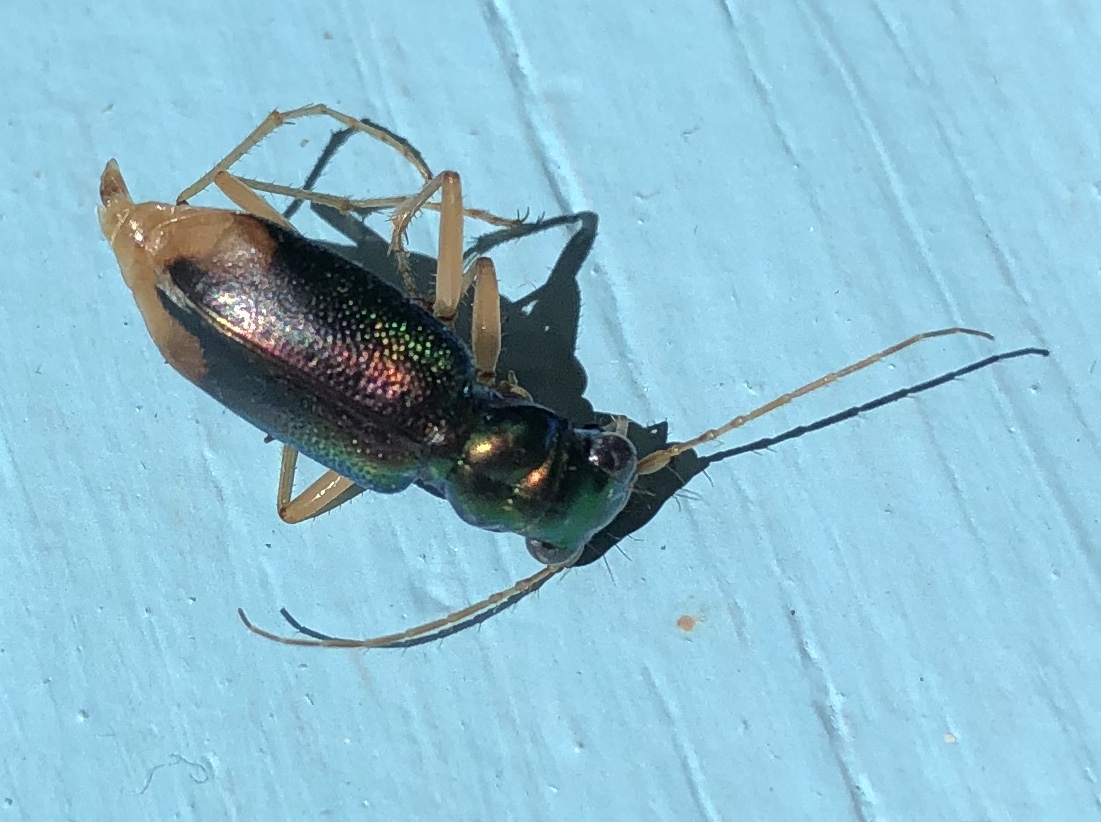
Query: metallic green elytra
[[324, 356]]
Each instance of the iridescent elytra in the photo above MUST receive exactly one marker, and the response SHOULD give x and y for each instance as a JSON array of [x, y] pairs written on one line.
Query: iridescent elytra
[[326, 357]]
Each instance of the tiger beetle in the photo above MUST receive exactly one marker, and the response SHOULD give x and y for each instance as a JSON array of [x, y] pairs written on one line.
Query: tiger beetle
[[324, 356]]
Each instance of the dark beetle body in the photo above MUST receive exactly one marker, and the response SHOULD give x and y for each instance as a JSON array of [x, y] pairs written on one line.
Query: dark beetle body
[[324, 356]]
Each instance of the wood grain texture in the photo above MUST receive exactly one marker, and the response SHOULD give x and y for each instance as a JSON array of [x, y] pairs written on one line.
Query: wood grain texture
[[894, 617]]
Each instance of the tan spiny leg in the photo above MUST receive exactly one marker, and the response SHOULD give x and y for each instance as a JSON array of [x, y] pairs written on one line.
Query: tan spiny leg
[[261, 208], [280, 118], [435, 626], [371, 203]]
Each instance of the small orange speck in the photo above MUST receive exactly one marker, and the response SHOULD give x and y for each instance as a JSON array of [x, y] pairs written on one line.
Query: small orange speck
[[686, 623]]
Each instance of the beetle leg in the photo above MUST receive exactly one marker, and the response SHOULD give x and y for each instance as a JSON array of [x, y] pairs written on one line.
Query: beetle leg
[[485, 330], [279, 118], [241, 191], [346, 204], [245, 198], [485, 325], [453, 621], [449, 265], [659, 459], [323, 495]]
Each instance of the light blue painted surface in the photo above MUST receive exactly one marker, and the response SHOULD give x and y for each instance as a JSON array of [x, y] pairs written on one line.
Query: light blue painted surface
[[898, 616]]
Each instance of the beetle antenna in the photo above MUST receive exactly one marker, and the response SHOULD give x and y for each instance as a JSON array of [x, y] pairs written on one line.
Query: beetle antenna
[[660, 459]]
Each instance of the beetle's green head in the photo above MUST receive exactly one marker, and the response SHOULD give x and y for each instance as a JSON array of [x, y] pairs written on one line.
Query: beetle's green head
[[526, 470]]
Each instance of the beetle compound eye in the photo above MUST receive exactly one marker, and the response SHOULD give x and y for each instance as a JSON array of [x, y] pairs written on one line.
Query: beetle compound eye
[[612, 454]]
